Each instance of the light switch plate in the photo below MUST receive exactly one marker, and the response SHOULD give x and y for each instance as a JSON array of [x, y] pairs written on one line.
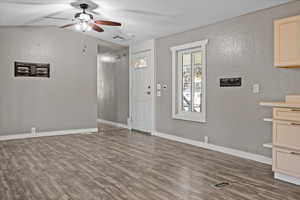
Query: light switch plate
[[256, 88]]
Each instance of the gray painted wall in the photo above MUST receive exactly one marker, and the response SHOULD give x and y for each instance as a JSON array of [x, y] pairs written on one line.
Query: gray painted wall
[[65, 101], [242, 47], [113, 85]]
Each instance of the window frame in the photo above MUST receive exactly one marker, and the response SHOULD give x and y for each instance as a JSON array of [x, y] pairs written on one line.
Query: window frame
[[177, 112]]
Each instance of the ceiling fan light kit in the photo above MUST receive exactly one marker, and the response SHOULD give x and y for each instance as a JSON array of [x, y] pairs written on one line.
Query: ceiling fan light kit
[[83, 19], [83, 26]]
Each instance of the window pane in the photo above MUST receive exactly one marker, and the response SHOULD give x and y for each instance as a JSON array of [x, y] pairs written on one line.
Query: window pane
[[186, 59], [186, 83], [197, 58], [140, 63], [197, 81]]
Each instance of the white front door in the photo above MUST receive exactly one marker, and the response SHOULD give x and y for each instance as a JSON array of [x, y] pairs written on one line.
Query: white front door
[[142, 91]]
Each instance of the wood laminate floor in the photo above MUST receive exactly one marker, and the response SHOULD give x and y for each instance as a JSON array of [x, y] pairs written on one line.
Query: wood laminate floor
[[122, 165], [107, 128]]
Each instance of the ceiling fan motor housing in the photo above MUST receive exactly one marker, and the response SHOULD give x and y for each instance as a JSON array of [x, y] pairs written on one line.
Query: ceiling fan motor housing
[[83, 16]]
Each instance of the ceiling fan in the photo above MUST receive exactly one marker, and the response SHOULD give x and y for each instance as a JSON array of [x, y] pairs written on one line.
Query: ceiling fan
[[84, 21], [91, 3]]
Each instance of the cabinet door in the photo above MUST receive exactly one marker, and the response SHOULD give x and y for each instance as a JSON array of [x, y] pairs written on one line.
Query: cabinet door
[[287, 42]]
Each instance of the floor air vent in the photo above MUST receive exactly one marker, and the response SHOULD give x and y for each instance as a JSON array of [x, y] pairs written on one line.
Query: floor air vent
[[221, 185]]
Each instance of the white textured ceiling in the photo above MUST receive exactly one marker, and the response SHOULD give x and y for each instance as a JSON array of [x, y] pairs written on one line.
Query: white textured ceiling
[[141, 19]]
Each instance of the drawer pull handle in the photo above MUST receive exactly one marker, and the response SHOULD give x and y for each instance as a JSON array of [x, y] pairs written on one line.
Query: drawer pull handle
[[295, 110], [295, 124], [295, 153]]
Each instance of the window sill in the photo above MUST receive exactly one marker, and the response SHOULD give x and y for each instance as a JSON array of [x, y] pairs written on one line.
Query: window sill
[[194, 117]]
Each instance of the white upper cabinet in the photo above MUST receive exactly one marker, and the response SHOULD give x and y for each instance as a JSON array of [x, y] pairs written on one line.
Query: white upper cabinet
[[287, 42]]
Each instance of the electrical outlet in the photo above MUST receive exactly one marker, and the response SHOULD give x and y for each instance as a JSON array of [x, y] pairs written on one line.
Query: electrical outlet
[[205, 139], [33, 130], [158, 86]]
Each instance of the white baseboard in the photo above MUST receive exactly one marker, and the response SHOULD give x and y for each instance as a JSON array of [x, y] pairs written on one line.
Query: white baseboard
[[287, 178], [113, 123], [48, 133], [226, 150]]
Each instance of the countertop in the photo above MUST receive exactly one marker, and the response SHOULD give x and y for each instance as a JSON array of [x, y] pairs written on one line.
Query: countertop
[[280, 104]]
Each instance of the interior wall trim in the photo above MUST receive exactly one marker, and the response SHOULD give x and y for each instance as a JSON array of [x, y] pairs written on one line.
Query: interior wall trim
[[226, 150], [114, 123], [287, 178], [48, 133]]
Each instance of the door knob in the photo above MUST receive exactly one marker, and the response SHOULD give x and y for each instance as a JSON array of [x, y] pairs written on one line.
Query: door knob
[[148, 92]]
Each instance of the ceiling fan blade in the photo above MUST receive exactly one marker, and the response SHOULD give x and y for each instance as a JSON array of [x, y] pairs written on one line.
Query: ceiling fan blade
[[94, 12], [143, 12], [137, 12], [96, 28], [35, 2], [58, 18], [66, 26], [51, 15], [108, 23]]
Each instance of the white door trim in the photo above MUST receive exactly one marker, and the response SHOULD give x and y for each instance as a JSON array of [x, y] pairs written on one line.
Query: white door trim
[[148, 45]]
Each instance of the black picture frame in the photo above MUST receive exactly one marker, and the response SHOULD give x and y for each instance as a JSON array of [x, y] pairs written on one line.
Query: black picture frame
[[231, 82], [25, 69]]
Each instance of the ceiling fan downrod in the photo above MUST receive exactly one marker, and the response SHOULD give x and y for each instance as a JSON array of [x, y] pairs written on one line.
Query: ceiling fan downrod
[[84, 6]]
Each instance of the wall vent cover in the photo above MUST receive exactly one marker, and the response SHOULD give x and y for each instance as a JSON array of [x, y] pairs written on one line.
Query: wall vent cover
[[221, 185]]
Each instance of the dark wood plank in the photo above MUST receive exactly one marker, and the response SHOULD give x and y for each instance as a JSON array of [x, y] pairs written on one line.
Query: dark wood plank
[[116, 164]]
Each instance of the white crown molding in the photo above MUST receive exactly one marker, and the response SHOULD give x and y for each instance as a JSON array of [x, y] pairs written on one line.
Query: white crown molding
[[113, 123], [48, 133], [226, 150]]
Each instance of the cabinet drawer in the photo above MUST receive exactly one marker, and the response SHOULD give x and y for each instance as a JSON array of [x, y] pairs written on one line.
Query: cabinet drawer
[[287, 162], [286, 134], [286, 114]]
